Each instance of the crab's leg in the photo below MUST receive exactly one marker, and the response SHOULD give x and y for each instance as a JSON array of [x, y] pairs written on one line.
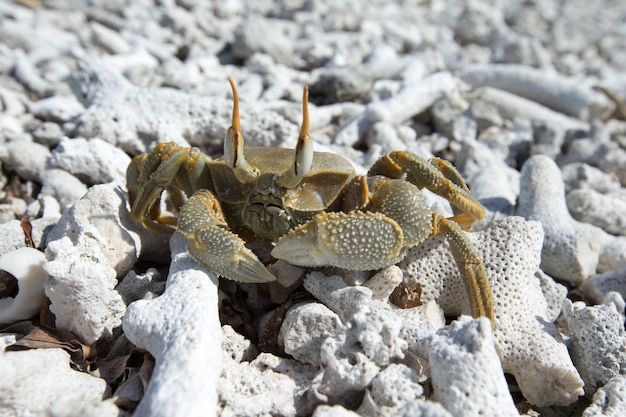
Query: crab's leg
[[470, 265], [167, 166], [442, 179], [213, 245]]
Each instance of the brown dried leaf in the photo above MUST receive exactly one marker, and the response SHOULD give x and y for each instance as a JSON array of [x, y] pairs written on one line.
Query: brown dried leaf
[[27, 227], [43, 337], [46, 317]]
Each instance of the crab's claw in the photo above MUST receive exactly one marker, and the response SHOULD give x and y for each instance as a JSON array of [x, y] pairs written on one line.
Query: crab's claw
[[215, 247], [357, 241]]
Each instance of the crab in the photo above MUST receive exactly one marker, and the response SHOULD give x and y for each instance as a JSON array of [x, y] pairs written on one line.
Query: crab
[[311, 205]]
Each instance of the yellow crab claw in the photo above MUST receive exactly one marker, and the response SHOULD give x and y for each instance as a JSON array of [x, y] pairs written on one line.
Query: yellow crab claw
[[358, 241], [215, 247]]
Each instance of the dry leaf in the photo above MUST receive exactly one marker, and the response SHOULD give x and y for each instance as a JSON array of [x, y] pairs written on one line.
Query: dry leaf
[[44, 337], [27, 227]]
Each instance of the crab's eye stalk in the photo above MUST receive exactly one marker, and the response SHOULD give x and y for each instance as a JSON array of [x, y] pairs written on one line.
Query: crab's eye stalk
[[233, 144], [304, 149]]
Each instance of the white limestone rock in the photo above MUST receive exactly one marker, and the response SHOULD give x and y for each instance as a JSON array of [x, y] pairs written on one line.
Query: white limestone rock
[[466, 373], [63, 186], [135, 286], [81, 288], [494, 183], [609, 400], [579, 175], [105, 408], [102, 216], [136, 119], [423, 409], [13, 236], [598, 342], [571, 249], [236, 347], [344, 300], [530, 347], [181, 330], [94, 159], [612, 255], [351, 358], [390, 390], [333, 411], [595, 288], [304, 329], [36, 381], [27, 159], [268, 385], [606, 211], [58, 108]]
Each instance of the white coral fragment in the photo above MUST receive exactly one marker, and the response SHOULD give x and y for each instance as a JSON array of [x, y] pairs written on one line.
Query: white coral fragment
[[598, 342], [181, 330], [268, 385], [610, 400], [81, 289], [351, 359], [529, 345], [304, 329], [571, 249], [466, 373], [33, 381], [25, 264]]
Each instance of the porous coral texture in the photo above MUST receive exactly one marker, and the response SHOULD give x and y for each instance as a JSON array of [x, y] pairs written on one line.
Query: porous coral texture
[[530, 347], [466, 373], [598, 341]]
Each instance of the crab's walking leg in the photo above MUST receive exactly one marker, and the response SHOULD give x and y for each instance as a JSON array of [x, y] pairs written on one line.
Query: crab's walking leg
[[215, 247], [168, 166], [437, 176], [443, 179], [470, 265]]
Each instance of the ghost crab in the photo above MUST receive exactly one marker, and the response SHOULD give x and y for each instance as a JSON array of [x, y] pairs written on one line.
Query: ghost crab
[[311, 204]]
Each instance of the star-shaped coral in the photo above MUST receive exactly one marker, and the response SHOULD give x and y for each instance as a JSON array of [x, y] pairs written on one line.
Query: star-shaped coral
[[529, 345]]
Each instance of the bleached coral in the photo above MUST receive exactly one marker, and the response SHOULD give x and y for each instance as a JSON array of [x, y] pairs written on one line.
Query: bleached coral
[[181, 330], [610, 400], [467, 375], [598, 342], [571, 249], [529, 345]]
